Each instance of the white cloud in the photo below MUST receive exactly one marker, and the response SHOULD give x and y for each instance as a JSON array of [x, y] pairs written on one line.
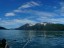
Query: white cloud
[[35, 3], [24, 6], [29, 4], [55, 7], [57, 20], [45, 14], [41, 13], [0, 18], [60, 11], [24, 21], [10, 14], [62, 7], [52, 20], [18, 11], [38, 13], [16, 21]]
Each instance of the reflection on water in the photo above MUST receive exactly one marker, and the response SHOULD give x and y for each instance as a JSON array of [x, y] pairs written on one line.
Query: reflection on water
[[33, 39]]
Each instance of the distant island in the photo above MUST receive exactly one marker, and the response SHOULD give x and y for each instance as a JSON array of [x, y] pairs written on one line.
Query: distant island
[[42, 26], [2, 28]]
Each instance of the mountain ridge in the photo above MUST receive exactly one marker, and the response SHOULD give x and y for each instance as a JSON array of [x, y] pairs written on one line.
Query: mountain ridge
[[42, 26]]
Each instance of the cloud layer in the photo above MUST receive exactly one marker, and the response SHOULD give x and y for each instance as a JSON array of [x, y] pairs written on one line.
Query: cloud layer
[[10, 14], [28, 5]]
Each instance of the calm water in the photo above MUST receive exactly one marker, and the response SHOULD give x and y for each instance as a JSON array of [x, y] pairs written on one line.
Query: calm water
[[33, 39]]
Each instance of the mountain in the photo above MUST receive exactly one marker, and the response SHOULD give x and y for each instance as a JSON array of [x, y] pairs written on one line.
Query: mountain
[[2, 28], [42, 26], [24, 27]]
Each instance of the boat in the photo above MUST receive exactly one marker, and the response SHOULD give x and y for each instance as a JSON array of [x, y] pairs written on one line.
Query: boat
[[3, 44]]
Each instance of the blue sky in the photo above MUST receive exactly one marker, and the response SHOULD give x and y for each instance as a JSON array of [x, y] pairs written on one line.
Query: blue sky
[[14, 13]]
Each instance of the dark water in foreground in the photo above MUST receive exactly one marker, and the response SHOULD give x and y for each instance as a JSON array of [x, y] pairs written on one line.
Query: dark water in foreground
[[33, 39]]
